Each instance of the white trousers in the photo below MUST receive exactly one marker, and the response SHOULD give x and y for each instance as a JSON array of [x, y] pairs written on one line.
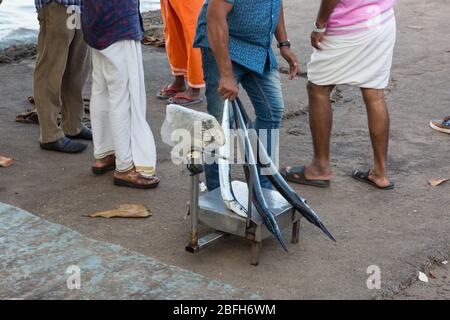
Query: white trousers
[[118, 108]]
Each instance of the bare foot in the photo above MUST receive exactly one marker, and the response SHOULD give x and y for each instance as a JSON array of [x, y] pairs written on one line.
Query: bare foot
[[381, 181], [191, 93], [316, 172], [177, 86]]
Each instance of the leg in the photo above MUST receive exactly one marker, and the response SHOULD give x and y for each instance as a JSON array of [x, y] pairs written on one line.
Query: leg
[[187, 13], [320, 121], [53, 51], [378, 117], [99, 110], [295, 232], [115, 72], [215, 105], [73, 83], [143, 146], [267, 99], [256, 247], [175, 49]]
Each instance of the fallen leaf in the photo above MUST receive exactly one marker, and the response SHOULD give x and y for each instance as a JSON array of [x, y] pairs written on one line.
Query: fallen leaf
[[6, 162], [124, 211], [423, 277], [437, 182]]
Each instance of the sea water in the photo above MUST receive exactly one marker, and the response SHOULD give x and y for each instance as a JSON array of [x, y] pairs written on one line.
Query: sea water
[[18, 20]]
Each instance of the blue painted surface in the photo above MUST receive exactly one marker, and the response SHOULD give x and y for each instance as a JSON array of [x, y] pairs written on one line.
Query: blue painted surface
[[35, 254]]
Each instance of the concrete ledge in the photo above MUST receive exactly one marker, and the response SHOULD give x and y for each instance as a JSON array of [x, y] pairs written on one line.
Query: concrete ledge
[[35, 255]]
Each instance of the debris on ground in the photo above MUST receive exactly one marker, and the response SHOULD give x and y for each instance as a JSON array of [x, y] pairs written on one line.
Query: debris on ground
[[445, 262], [432, 274], [124, 211], [423, 277], [437, 182], [153, 41], [30, 115], [6, 162]]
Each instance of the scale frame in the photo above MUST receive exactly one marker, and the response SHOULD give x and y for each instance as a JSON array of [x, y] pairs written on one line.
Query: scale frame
[[209, 209]]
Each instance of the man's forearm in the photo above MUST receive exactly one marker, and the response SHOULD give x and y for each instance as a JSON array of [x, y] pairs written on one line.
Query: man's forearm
[[280, 32], [325, 11], [218, 35]]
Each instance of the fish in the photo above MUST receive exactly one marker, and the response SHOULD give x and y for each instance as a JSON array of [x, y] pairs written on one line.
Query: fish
[[226, 189], [281, 185], [251, 172]]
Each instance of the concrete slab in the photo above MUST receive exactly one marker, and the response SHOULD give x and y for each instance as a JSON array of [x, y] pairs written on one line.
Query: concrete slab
[[36, 257]]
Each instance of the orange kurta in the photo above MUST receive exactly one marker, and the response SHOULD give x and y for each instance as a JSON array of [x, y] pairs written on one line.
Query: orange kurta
[[180, 22]]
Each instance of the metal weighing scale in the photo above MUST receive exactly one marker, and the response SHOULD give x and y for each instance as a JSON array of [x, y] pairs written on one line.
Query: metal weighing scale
[[209, 209]]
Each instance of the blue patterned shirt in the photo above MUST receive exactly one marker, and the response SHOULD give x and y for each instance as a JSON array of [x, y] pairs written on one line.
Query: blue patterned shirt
[[252, 24], [40, 3]]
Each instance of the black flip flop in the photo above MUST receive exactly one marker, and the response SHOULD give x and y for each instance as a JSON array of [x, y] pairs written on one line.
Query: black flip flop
[[363, 176], [297, 175]]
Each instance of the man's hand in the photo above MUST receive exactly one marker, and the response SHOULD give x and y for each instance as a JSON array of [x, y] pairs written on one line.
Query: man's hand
[[316, 39], [291, 59], [228, 88]]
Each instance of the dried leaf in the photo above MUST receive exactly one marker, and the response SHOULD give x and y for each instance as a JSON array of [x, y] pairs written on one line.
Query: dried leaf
[[437, 182], [6, 162], [125, 211], [423, 277]]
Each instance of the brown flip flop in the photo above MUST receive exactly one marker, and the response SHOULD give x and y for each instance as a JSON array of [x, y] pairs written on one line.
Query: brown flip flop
[[297, 175], [167, 92]]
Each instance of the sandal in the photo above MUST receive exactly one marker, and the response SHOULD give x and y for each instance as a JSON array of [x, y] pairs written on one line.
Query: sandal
[[297, 175], [109, 165], [363, 176], [136, 180], [168, 92], [187, 101]]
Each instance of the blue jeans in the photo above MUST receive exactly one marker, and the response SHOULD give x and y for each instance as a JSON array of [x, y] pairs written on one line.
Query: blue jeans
[[264, 91]]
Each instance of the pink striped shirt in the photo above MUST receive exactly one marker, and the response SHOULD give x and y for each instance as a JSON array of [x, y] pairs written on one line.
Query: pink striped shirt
[[353, 12]]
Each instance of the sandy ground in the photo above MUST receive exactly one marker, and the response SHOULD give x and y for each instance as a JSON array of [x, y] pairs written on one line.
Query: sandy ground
[[399, 231]]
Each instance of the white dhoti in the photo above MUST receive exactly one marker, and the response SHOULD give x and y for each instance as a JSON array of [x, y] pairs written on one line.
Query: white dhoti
[[359, 55], [118, 108]]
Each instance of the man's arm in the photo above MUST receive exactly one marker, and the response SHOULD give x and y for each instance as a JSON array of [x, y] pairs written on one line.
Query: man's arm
[[218, 36], [325, 11], [286, 53]]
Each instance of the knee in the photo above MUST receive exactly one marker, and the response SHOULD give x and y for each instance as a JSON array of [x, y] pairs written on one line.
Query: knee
[[315, 90]]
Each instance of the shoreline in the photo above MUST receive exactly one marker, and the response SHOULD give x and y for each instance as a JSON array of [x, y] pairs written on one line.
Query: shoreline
[[153, 27]]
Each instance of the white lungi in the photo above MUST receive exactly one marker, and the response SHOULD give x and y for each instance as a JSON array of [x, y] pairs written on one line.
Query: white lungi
[[118, 108], [359, 55]]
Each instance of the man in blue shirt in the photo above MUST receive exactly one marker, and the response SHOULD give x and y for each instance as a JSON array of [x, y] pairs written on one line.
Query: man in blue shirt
[[236, 37], [62, 66]]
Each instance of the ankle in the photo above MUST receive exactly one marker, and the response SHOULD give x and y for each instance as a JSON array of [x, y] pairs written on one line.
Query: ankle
[[321, 166]]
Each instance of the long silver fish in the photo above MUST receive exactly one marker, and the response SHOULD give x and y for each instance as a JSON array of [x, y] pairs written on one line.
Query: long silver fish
[[251, 170], [226, 188], [282, 186]]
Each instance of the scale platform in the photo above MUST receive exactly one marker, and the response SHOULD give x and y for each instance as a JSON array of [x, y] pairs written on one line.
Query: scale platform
[[213, 213]]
